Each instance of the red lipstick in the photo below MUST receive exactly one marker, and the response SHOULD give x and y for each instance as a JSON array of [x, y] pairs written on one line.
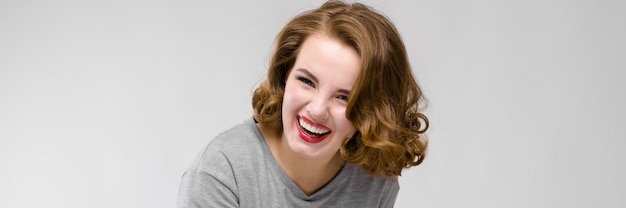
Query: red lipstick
[[308, 136]]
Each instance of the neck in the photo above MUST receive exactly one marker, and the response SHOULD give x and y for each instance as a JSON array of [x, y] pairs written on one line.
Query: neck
[[310, 175]]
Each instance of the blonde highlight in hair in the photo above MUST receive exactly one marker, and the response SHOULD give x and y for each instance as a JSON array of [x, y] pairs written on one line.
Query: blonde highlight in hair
[[385, 101]]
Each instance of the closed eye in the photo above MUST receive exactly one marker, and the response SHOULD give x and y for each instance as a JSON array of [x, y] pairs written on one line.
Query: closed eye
[[306, 81]]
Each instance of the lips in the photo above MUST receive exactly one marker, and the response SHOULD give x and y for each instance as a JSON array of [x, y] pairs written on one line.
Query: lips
[[310, 131]]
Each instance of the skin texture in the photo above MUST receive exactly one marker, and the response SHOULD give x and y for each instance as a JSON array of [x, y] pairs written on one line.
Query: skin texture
[[385, 104], [316, 90]]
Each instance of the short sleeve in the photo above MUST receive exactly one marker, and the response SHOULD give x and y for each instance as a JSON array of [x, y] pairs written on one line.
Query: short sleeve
[[210, 182], [391, 195]]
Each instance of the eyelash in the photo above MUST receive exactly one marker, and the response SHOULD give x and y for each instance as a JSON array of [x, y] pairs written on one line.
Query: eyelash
[[306, 81], [311, 84]]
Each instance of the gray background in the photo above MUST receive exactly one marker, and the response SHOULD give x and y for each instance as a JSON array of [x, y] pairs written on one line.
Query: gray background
[[105, 103]]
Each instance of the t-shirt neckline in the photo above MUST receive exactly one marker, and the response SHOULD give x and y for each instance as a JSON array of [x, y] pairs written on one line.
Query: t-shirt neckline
[[347, 168]]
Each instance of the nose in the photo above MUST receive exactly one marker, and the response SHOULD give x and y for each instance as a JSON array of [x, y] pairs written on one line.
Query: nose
[[318, 108]]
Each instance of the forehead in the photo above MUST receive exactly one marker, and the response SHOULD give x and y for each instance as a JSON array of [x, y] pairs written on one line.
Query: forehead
[[329, 59], [323, 42], [323, 49]]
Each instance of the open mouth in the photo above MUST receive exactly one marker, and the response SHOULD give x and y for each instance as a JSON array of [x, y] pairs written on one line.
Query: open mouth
[[310, 131]]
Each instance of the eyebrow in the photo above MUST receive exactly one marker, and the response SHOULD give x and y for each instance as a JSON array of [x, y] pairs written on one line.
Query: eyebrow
[[314, 78]]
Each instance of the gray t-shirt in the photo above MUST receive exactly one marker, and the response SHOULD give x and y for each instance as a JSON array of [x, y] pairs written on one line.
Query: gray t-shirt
[[237, 169]]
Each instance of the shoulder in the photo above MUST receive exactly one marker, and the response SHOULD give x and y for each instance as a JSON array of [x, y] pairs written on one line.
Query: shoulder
[[211, 179], [362, 178], [241, 136], [367, 190], [231, 146]]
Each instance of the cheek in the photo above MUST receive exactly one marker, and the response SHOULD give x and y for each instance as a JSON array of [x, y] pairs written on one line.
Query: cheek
[[292, 98], [295, 94], [343, 123], [350, 129], [288, 94]]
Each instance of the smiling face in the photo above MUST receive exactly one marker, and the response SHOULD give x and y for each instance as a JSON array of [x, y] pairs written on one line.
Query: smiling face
[[316, 96]]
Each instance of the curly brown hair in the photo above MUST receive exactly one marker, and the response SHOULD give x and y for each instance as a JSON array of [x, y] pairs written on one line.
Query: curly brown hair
[[385, 101]]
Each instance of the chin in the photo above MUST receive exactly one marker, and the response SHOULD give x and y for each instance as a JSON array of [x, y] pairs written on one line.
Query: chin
[[309, 150]]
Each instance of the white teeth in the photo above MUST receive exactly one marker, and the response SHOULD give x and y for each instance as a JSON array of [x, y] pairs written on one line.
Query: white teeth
[[312, 128]]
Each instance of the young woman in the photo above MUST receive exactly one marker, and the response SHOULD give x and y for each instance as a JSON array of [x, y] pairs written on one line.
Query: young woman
[[334, 124]]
